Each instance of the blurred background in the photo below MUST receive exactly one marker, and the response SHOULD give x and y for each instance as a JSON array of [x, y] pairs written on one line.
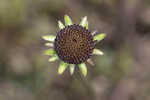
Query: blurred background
[[123, 73]]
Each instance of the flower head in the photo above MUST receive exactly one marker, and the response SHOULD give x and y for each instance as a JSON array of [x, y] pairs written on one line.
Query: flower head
[[74, 44]]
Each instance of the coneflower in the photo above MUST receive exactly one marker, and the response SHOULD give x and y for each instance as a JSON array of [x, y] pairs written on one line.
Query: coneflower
[[74, 44]]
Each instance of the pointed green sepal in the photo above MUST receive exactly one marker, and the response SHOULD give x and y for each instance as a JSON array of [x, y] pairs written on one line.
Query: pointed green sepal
[[84, 21], [83, 69], [62, 67], [97, 52], [100, 37], [68, 20], [72, 68], [49, 44], [49, 52], [53, 58], [60, 25], [87, 25], [49, 38]]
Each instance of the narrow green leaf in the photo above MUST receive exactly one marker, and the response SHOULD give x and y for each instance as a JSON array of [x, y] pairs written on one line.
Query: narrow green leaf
[[53, 58], [84, 21], [68, 20], [49, 52], [100, 37], [49, 44], [72, 67], [62, 67], [60, 25], [97, 52], [83, 69], [49, 38]]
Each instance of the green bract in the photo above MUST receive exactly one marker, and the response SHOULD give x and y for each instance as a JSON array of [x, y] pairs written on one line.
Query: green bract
[[53, 54]]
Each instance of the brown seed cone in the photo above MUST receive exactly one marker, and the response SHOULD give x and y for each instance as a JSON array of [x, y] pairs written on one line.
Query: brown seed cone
[[74, 44]]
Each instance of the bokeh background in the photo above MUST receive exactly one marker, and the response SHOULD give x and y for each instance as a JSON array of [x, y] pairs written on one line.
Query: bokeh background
[[123, 73]]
